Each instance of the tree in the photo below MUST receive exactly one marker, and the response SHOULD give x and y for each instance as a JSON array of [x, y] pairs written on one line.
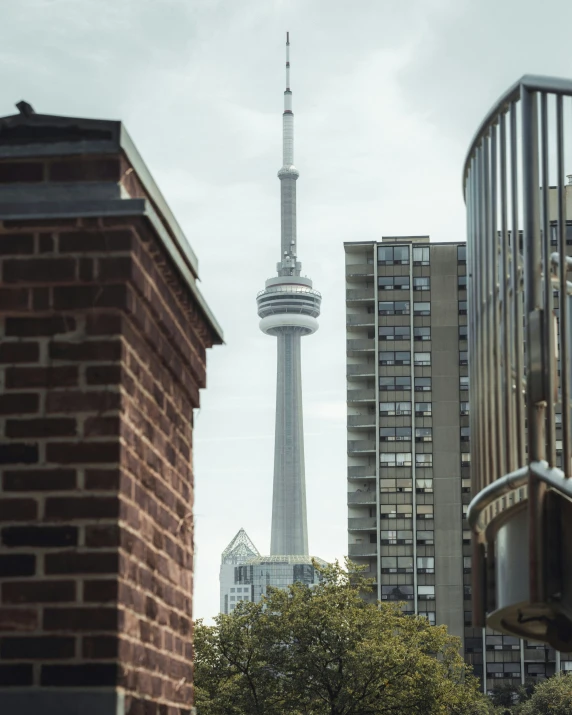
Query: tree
[[325, 651], [553, 697]]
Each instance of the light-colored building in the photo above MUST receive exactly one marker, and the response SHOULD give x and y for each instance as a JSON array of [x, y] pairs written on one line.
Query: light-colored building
[[409, 441], [288, 308], [238, 552]]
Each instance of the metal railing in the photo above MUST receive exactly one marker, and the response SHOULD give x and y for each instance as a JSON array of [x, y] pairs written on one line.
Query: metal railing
[[520, 337]]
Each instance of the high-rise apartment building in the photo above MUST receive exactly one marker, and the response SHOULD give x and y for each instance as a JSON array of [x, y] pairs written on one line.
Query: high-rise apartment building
[[240, 551], [409, 441]]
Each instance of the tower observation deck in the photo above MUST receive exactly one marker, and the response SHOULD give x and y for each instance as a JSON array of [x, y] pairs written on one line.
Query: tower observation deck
[[288, 308]]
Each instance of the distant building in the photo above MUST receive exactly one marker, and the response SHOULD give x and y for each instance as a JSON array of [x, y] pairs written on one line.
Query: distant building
[[238, 552], [409, 481]]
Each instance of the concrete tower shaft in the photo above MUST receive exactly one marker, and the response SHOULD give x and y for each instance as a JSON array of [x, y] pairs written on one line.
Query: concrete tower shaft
[[288, 308]]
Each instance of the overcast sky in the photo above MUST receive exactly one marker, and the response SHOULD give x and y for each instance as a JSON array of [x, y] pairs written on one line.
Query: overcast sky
[[387, 96]]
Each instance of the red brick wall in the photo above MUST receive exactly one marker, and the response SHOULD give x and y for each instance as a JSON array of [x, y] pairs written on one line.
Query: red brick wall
[[102, 355]]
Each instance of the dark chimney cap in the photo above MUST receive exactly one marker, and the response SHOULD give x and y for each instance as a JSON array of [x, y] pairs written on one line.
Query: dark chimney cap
[[26, 109]]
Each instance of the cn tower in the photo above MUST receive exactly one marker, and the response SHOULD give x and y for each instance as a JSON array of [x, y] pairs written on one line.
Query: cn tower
[[288, 308]]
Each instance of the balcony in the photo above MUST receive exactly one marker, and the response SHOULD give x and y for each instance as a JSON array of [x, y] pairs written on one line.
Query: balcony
[[368, 523], [361, 497], [361, 345], [360, 270], [359, 295], [360, 446], [361, 421], [362, 550], [366, 319], [361, 395], [362, 370], [365, 472]]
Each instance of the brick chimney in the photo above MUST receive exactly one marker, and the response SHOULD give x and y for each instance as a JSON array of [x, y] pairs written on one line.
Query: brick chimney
[[103, 335]]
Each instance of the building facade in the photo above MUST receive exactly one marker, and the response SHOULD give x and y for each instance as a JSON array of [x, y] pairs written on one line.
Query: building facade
[[409, 481], [240, 551]]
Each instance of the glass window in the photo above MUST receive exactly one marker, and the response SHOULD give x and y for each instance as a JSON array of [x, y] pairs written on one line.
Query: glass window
[[465, 434], [467, 563], [401, 307], [423, 434], [396, 593], [405, 537], [465, 458], [425, 511], [401, 282], [424, 537], [403, 383], [402, 434], [388, 537], [387, 459], [423, 308], [397, 307], [389, 564], [405, 564], [464, 382], [422, 333], [387, 383], [462, 332], [387, 434], [385, 282], [422, 384], [421, 255], [386, 332], [403, 358], [425, 592], [462, 254], [424, 485], [403, 459], [463, 357], [430, 616], [422, 408], [385, 255], [386, 358], [387, 408], [464, 408], [421, 283], [423, 460], [401, 254], [402, 332], [462, 282], [422, 358], [426, 564], [403, 408], [386, 307], [387, 485], [233, 590], [462, 307]]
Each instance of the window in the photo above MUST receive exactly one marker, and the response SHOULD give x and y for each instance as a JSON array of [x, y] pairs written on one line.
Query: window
[[389, 564], [421, 283], [465, 459], [425, 511], [233, 598], [425, 593], [396, 307], [390, 255], [423, 460], [386, 358], [424, 486], [403, 434], [463, 357], [393, 282], [390, 384], [422, 358], [232, 590], [426, 564], [422, 408], [465, 434], [424, 537], [395, 408], [388, 537], [421, 333], [395, 459], [464, 408], [466, 564], [464, 382], [396, 511], [396, 593], [394, 332], [387, 434], [394, 358], [421, 256], [421, 308], [423, 434], [430, 616], [462, 254], [462, 282], [422, 384], [462, 307], [462, 332]]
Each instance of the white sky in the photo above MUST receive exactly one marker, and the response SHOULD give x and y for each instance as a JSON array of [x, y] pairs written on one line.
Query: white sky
[[387, 96]]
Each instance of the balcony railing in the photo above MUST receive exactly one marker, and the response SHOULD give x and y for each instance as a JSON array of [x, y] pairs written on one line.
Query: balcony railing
[[361, 445], [361, 420], [362, 550], [362, 497], [361, 395], [367, 344], [362, 370], [360, 294]]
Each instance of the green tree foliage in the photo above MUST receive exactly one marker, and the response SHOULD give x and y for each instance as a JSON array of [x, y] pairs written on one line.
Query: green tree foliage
[[325, 651], [551, 697]]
